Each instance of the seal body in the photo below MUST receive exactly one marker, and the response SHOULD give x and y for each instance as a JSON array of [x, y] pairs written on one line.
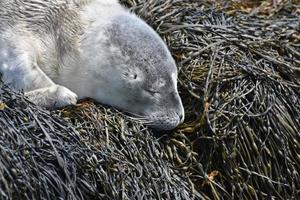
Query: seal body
[[60, 50]]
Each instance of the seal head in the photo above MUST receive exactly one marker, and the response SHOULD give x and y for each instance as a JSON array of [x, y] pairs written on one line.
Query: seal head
[[138, 73]]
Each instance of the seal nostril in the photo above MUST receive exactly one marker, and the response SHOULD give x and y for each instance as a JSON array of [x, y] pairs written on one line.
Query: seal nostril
[[181, 118]]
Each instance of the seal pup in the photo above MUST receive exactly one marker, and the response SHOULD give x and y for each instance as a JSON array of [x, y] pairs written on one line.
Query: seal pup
[[59, 50]]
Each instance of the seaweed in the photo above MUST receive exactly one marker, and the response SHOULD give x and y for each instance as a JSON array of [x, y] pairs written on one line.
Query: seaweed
[[239, 78]]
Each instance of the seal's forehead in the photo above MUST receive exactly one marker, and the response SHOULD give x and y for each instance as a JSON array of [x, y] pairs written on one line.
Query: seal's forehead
[[141, 48], [135, 37]]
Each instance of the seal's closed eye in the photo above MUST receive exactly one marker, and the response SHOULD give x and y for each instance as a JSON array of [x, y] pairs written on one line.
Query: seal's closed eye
[[152, 91]]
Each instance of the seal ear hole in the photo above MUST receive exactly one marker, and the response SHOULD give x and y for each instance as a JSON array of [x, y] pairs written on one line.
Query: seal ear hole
[[131, 75]]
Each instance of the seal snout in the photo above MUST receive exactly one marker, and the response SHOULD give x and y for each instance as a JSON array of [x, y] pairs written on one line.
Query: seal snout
[[170, 116], [166, 121]]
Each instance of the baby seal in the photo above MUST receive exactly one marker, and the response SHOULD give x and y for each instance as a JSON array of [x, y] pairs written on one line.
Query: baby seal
[[59, 50]]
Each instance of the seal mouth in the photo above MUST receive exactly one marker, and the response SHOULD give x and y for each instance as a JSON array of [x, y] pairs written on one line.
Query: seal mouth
[[165, 122], [158, 122]]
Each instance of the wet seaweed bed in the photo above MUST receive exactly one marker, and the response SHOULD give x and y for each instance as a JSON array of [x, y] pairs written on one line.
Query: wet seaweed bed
[[239, 78]]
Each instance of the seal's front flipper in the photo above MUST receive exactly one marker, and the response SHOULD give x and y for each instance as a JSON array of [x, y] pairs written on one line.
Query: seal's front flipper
[[20, 70], [55, 96], [18, 64]]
